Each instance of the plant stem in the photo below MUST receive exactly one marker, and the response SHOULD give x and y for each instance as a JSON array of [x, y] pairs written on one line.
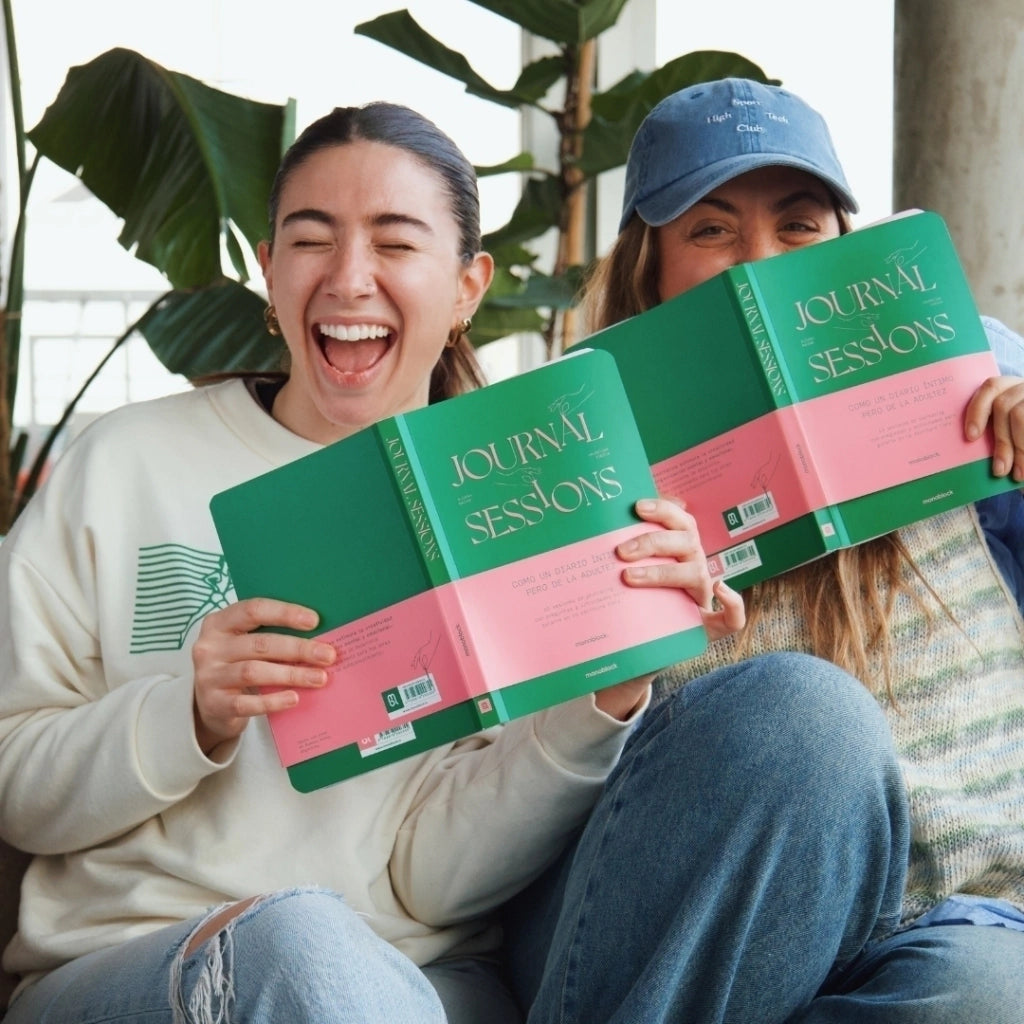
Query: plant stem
[[10, 323]]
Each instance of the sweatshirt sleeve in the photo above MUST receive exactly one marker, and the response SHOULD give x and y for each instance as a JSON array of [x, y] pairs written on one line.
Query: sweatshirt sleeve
[[500, 809], [81, 760]]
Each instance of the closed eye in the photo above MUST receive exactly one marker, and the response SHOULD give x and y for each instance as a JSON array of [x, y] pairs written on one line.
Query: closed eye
[[798, 226]]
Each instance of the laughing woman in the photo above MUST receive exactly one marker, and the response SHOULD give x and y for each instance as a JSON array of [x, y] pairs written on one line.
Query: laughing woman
[[176, 876]]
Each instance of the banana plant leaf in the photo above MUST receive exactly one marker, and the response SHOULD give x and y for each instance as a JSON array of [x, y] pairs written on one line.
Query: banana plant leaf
[[569, 22], [544, 290], [499, 315], [218, 329], [539, 208], [520, 162], [493, 322], [188, 168], [402, 32]]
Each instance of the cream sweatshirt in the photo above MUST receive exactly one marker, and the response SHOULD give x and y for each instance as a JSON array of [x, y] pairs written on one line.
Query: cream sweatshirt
[[105, 578]]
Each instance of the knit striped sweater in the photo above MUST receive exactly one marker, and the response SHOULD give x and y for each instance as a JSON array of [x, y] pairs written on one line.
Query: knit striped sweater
[[957, 718]]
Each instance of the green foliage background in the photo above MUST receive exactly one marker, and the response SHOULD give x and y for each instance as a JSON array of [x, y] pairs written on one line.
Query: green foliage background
[[188, 169]]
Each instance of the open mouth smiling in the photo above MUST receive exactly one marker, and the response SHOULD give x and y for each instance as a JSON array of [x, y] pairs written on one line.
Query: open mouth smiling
[[353, 348]]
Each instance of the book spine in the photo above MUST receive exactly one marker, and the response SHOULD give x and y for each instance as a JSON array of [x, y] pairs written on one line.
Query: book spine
[[399, 451], [755, 312]]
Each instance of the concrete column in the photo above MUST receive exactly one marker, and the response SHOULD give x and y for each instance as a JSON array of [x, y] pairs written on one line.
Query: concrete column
[[959, 136]]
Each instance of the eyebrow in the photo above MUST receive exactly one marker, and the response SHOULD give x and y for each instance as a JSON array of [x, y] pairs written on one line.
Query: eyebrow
[[318, 216], [784, 203]]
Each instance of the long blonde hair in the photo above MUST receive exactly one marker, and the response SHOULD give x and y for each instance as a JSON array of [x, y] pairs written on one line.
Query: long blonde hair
[[846, 598]]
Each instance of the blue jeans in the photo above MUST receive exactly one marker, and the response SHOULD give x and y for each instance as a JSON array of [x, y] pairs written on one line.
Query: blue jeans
[[750, 845], [745, 863], [300, 957]]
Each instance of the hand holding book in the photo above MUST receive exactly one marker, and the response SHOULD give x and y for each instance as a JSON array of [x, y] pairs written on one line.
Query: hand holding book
[[680, 541], [1000, 400], [721, 607], [821, 397], [242, 674]]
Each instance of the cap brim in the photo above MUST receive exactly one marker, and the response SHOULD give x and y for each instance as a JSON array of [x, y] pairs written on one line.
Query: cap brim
[[675, 198]]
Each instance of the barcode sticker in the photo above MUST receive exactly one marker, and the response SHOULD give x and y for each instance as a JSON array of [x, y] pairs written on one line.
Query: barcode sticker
[[748, 514], [418, 693], [385, 740], [734, 561]]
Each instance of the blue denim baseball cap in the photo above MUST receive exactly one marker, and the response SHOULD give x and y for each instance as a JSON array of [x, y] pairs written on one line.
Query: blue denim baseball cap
[[705, 135]]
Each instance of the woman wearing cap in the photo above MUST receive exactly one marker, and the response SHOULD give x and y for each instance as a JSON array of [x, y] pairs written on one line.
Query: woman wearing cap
[[775, 899]]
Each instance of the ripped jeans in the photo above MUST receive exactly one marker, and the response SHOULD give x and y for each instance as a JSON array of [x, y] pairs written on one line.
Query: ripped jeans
[[297, 957]]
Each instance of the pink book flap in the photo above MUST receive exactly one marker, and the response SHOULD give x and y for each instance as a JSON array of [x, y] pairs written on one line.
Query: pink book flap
[[479, 634]]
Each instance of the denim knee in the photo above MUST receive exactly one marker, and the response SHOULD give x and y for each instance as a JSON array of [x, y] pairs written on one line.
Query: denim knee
[[785, 712], [790, 743], [301, 955], [752, 836]]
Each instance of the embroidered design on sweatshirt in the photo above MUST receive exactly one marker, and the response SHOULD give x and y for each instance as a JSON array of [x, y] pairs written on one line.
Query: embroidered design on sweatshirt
[[175, 587]]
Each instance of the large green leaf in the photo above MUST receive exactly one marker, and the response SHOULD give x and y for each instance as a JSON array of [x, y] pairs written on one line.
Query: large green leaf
[[569, 22], [520, 162], [539, 208], [187, 167], [537, 77], [616, 113], [491, 322], [401, 31], [511, 255], [499, 315], [213, 330], [544, 290]]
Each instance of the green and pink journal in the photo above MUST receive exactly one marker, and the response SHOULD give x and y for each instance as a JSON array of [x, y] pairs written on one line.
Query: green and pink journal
[[813, 400], [461, 560]]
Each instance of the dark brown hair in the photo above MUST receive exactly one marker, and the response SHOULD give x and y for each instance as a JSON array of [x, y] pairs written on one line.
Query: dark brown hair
[[457, 370]]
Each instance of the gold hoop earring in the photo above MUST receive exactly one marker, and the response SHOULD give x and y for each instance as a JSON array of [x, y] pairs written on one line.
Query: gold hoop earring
[[455, 335], [270, 319]]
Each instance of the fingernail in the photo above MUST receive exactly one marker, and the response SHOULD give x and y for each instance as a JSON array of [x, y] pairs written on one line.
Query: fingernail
[[325, 654], [973, 432], [629, 547], [636, 573], [999, 467], [645, 506]]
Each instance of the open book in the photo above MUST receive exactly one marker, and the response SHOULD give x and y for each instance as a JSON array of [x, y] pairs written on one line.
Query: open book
[[461, 559], [813, 400]]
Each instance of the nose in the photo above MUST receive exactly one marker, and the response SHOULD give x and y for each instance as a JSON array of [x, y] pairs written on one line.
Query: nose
[[350, 274], [759, 244]]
